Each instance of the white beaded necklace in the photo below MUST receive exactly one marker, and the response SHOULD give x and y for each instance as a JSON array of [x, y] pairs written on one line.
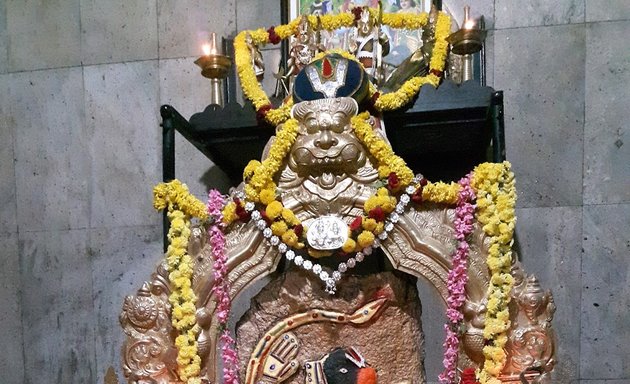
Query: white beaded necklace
[[330, 278]]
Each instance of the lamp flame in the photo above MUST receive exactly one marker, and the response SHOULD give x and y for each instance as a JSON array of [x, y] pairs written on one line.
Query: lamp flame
[[210, 49], [206, 49]]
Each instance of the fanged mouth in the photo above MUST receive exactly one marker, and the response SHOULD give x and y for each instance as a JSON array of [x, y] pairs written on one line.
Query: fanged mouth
[[328, 161]]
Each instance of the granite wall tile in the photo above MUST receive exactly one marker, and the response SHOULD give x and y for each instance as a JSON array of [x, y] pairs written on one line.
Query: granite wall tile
[[254, 14], [8, 218], [605, 324], [549, 241], [185, 25], [122, 258], [57, 307], [515, 13], [606, 128], [118, 30], [543, 82], [12, 358], [43, 34], [122, 116], [4, 39], [489, 57], [605, 10], [52, 160]]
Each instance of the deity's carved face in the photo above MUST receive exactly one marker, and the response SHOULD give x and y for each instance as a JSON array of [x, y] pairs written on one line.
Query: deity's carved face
[[326, 142]]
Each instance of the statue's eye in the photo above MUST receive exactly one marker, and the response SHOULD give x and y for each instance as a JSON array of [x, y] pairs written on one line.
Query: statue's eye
[[311, 125], [343, 370]]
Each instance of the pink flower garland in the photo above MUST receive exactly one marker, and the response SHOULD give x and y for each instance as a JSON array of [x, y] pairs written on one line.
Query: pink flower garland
[[457, 279], [221, 288]]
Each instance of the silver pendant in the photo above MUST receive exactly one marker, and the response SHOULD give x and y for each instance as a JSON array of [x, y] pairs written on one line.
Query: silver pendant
[[327, 233]]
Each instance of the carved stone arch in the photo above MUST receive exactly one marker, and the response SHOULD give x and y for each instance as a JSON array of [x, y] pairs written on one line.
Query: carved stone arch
[[422, 245]]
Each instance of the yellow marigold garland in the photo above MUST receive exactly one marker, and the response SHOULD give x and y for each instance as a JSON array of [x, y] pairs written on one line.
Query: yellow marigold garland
[[378, 148], [405, 21], [391, 101], [181, 206], [397, 99], [262, 178], [496, 199], [441, 193]]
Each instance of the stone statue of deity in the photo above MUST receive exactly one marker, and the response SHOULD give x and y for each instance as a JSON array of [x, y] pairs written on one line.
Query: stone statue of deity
[[257, 58], [304, 324], [303, 49]]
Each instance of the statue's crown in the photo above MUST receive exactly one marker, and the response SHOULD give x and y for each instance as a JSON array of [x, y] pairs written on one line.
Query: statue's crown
[[329, 77]]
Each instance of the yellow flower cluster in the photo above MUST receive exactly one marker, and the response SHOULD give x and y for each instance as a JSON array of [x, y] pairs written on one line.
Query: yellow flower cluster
[[331, 22], [175, 195], [181, 206], [441, 193], [281, 114], [440, 49], [282, 223], [381, 199], [262, 178], [496, 200], [391, 101], [229, 213], [406, 20], [382, 152], [410, 88], [340, 52], [246, 73], [258, 177]]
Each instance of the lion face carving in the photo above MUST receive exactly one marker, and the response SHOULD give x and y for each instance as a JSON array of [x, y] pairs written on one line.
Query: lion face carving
[[326, 142]]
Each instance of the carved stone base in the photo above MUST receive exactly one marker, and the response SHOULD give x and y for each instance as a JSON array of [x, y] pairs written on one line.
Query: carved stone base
[[392, 344]]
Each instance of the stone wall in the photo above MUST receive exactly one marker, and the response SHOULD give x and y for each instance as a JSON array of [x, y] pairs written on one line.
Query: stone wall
[[81, 82]]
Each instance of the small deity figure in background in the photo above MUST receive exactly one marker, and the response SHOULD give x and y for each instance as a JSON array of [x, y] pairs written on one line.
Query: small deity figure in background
[[370, 44], [302, 52], [257, 58]]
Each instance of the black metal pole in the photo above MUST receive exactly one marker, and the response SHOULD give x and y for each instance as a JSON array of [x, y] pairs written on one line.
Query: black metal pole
[[498, 128], [230, 81], [168, 158], [284, 44]]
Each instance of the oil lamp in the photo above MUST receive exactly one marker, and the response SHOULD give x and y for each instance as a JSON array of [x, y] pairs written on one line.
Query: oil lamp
[[467, 41], [214, 66]]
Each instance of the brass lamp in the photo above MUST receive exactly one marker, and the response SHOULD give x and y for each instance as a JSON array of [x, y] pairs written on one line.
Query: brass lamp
[[214, 66], [467, 41]]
